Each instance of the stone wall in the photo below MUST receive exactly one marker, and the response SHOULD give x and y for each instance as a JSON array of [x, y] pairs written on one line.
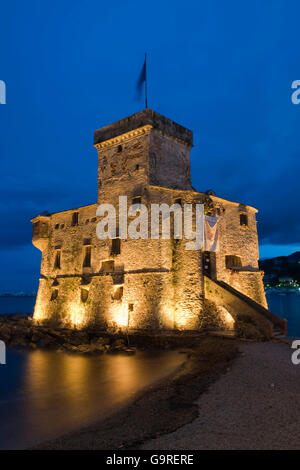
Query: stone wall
[[236, 307], [150, 284]]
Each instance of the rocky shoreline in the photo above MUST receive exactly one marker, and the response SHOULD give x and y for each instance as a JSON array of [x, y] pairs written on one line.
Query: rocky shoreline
[[18, 330]]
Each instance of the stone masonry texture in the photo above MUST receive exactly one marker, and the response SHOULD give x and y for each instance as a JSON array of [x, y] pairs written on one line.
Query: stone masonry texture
[[152, 284]]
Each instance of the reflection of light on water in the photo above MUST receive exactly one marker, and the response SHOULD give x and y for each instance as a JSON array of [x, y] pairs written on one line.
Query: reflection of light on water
[[64, 391]]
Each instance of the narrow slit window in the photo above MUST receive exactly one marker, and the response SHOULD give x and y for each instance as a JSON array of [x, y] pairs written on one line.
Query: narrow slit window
[[244, 220], [74, 218], [87, 256], [54, 294], [115, 246], [57, 260]]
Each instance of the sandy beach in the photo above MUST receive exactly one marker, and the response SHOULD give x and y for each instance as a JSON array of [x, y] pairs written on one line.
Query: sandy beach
[[255, 405]]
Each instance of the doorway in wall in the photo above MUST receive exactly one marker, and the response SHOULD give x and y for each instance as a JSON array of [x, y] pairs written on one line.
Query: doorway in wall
[[209, 263]]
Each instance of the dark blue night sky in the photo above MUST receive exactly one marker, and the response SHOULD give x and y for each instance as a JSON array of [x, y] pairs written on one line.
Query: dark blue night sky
[[222, 69]]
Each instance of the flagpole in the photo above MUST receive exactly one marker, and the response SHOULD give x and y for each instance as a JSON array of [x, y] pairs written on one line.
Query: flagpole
[[146, 92]]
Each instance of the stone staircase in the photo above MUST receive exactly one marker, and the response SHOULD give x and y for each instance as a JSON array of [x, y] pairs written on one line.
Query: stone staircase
[[233, 298]]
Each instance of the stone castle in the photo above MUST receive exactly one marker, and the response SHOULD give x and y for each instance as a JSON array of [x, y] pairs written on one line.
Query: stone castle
[[149, 284]]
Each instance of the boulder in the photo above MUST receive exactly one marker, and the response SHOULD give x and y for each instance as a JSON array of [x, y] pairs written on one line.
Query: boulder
[[248, 331], [70, 347], [119, 343], [101, 340], [129, 351], [46, 341], [85, 348], [100, 344], [5, 333], [36, 336], [19, 341]]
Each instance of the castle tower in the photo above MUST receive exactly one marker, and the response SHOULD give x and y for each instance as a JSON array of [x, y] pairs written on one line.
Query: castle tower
[[145, 283], [141, 150]]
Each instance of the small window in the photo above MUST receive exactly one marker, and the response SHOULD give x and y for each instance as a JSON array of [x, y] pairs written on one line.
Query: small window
[[137, 200], [108, 266], [57, 260], [218, 211], [120, 148], [130, 307], [54, 294], [233, 261], [87, 257], [56, 226], [244, 220], [93, 219], [115, 246], [74, 218], [117, 293], [84, 295], [137, 167], [87, 221]]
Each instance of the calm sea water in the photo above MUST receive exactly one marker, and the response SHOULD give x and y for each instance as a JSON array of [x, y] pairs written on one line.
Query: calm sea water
[[44, 394], [286, 306], [17, 304]]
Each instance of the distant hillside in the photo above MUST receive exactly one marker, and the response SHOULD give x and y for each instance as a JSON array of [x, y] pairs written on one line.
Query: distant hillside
[[281, 267]]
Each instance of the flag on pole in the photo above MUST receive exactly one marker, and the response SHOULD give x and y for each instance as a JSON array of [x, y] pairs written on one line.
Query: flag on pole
[[142, 80]]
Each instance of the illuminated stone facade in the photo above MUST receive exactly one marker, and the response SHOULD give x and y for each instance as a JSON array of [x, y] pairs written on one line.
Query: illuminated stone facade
[[143, 284]]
